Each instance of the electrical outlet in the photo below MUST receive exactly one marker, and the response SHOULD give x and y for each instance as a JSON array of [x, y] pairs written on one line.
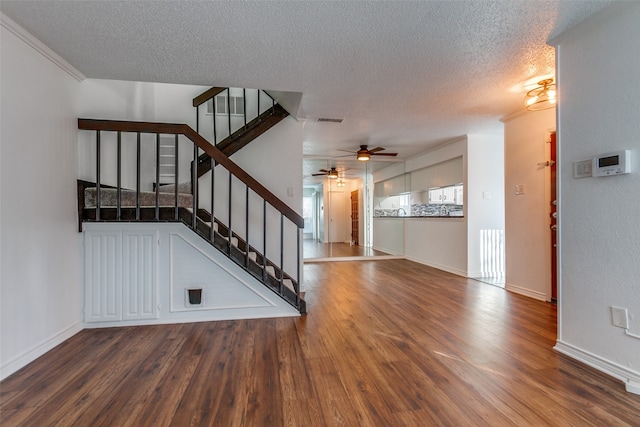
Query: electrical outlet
[[619, 317]]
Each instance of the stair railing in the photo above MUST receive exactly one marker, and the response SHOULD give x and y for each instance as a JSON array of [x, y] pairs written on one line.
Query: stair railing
[[255, 102], [176, 212]]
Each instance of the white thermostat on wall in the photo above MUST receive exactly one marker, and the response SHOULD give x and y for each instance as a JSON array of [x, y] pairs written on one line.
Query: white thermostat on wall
[[610, 164]]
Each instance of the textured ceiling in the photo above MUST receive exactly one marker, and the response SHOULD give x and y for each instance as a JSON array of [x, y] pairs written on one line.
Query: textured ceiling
[[403, 75]]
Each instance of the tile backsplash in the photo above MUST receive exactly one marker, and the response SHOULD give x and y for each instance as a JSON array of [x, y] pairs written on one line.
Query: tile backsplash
[[436, 210], [421, 210]]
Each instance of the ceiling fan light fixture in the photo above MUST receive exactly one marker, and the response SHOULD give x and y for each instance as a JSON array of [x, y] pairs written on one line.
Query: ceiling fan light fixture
[[333, 174], [542, 97], [363, 156]]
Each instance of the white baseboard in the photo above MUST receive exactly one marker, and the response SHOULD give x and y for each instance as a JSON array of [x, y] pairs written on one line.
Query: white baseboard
[[631, 379], [38, 350], [353, 258], [439, 267], [526, 292]]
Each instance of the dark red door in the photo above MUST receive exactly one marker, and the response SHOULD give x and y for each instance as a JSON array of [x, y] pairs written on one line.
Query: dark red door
[[554, 226], [354, 218]]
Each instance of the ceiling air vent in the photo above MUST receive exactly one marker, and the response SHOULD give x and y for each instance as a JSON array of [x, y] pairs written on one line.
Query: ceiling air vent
[[325, 119]]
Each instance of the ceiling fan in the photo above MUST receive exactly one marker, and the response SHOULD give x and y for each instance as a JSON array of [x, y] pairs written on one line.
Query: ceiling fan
[[364, 154], [331, 173]]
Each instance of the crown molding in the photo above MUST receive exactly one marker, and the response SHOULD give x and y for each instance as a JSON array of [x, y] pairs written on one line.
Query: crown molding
[[40, 47]]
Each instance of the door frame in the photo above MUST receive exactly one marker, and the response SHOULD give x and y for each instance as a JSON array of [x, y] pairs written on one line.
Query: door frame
[[553, 213], [355, 208]]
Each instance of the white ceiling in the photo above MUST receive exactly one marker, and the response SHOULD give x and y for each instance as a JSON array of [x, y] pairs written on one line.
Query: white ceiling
[[402, 75]]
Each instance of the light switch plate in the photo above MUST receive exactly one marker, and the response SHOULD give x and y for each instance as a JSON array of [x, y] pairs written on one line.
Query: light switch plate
[[582, 169], [519, 189]]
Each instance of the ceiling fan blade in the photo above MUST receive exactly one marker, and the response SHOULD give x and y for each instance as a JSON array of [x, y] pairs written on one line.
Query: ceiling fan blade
[[318, 174], [384, 154], [346, 151], [373, 150], [346, 155], [324, 170]]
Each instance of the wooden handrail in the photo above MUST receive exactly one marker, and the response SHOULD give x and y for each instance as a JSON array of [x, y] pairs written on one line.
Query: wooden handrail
[[205, 96], [210, 93], [212, 151]]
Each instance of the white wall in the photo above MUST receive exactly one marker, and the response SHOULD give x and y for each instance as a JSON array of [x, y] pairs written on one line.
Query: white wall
[[138, 101], [528, 237], [438, 242], [599, 105], [388, 235], [441, 174], [40, 287], [275, 160], [143, 277], [484, 200]]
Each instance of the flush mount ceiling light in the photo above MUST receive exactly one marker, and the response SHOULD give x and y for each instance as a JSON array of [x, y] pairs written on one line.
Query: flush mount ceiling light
[[542, 97], [341, 183]]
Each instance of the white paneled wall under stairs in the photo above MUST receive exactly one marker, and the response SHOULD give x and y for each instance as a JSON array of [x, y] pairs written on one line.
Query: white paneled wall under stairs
[[139, 273]]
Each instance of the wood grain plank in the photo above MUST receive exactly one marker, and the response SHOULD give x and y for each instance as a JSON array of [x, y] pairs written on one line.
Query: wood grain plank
[[385, 343], [129, 397]]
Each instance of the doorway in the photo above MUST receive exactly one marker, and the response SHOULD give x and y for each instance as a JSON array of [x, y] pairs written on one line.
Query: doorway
[[355, 229], [553, 193]]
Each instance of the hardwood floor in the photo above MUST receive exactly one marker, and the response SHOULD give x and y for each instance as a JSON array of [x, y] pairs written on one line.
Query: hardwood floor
[[385, 343], [314, 249]]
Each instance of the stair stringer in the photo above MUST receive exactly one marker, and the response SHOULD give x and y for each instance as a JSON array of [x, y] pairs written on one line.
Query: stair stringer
[[184, 260]]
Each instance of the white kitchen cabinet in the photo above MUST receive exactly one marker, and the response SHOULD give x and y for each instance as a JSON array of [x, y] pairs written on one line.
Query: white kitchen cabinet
[[448, 195], [442, 196], [435, 196], [459, 195], [451, 195]]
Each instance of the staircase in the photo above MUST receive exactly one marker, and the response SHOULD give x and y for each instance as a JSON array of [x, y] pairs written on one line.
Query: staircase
[[244, 136], [237, 235], [230, 133]]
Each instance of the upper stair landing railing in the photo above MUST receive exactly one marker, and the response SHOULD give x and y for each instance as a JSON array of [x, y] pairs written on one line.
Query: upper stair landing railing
[[230, 118], [257, 221]]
